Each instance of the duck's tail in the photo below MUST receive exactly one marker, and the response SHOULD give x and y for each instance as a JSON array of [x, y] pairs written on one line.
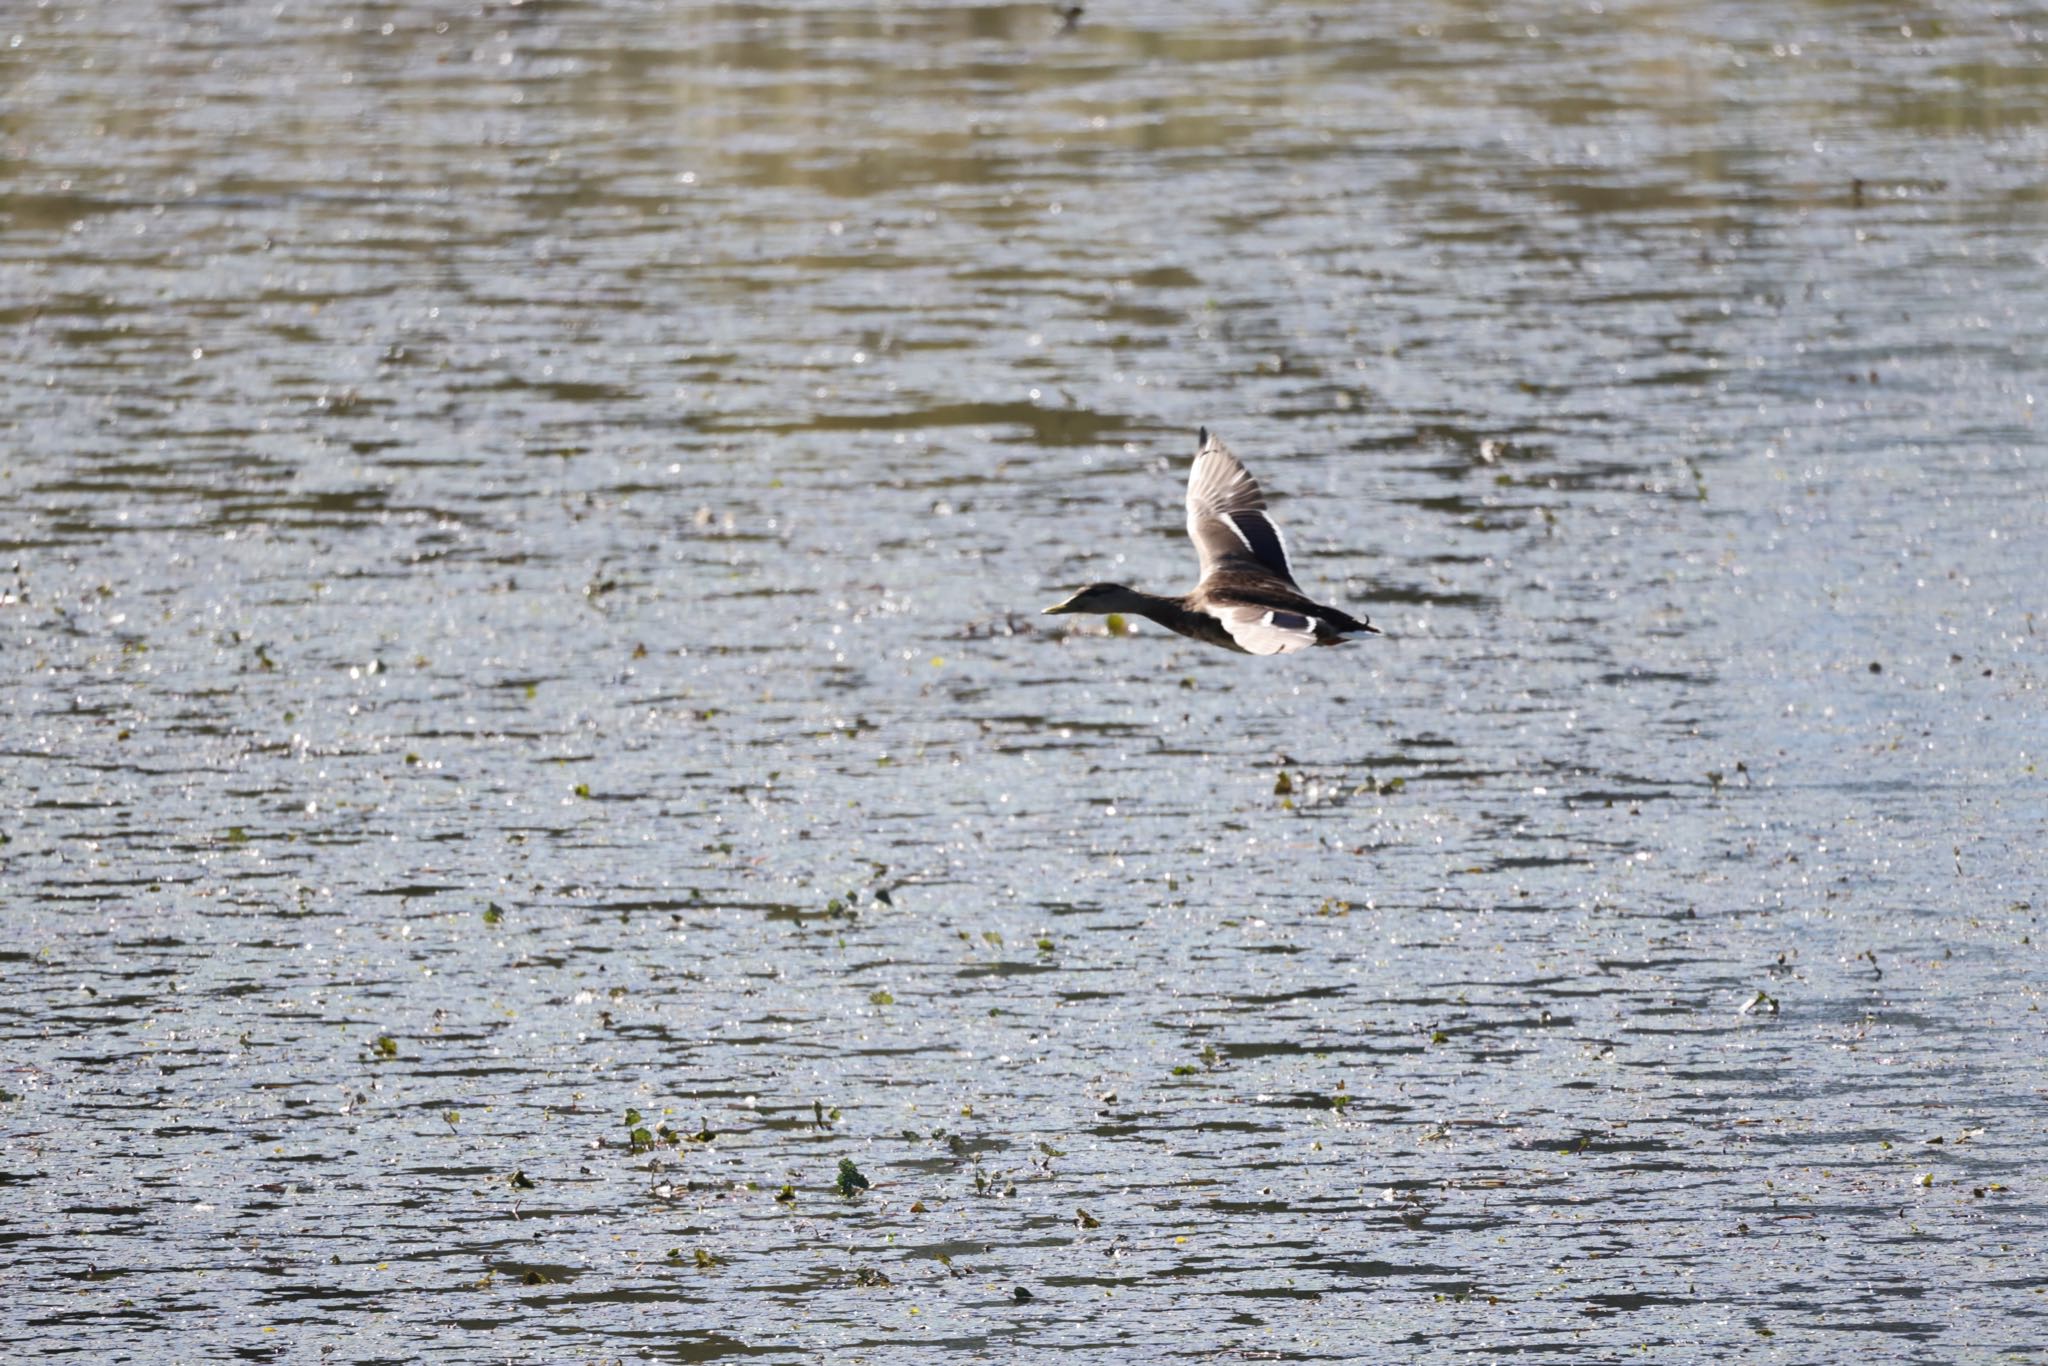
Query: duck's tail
[[1350, 625], [1340, 628]]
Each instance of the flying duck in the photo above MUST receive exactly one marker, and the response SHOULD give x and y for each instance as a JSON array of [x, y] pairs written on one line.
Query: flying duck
[[1247, 599]]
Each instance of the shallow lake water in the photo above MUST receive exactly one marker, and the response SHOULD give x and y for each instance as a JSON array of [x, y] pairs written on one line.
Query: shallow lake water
[[522, 533]]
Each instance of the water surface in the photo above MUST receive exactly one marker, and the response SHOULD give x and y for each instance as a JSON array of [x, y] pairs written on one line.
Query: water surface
[[523, 533]]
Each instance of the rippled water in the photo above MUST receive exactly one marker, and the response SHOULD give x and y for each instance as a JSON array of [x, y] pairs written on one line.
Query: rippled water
[[523, 532]]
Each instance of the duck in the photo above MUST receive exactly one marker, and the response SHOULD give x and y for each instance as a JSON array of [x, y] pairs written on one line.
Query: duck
[[1247, 599]]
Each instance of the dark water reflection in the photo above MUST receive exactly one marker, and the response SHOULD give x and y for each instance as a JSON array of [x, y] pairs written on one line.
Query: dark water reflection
[[523, 534]]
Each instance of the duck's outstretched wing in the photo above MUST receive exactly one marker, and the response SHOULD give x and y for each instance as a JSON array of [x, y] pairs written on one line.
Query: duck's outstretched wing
[[1265, 618], [1263, 630], [1227, 518]]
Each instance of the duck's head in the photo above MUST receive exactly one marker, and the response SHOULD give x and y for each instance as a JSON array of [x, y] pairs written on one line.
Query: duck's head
[[1099, 599]]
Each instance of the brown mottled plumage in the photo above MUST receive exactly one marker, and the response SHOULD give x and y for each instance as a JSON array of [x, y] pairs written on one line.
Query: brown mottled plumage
[[1247, 599]]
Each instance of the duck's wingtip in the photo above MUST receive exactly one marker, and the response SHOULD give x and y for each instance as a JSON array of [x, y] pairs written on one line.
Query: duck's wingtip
[[1201, 437]]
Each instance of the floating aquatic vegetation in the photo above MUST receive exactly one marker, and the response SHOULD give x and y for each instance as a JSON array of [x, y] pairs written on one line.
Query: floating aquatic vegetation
[[868, 1277], [520, 1181], [787, 1195], [851, 1181], [385, 1046], [640, 1138]]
